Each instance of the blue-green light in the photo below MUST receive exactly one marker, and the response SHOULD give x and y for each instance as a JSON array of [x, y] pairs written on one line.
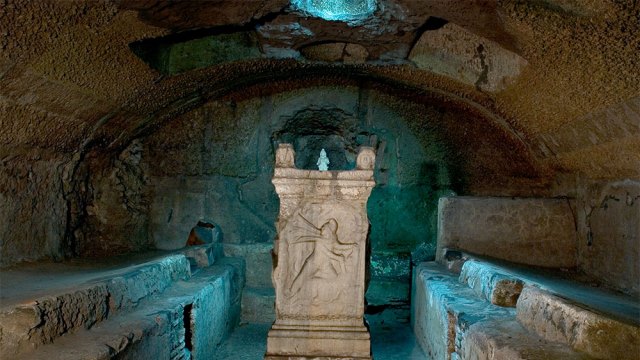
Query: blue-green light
[[342, 10]]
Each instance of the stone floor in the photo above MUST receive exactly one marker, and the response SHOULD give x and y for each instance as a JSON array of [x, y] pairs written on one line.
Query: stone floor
[[390, 340]]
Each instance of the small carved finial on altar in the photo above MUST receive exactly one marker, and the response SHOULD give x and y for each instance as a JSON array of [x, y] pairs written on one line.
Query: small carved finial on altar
[[323, 161], [285, 156], [366, 159]]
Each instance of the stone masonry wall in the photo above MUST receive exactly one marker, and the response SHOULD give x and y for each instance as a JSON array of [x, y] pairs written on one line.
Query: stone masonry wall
[[216, 162], [537, 232], [33, 209], [609, 233]]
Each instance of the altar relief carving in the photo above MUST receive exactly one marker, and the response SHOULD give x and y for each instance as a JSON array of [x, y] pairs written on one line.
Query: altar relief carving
[[321, 247]]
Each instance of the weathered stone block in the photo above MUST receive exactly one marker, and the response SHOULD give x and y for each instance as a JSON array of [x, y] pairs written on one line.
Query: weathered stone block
[[26, 327], [126, 290], [190, 320], [537, 232], [560, 320], [203, 255], [387, 292], [455, 52], [491, 283], [610, 242], [443, 309], [507, 340], [214, 312], [258, 262]]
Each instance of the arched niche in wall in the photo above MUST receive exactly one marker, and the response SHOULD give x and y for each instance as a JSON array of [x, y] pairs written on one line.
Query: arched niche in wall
[[313, 129], [411, 170]]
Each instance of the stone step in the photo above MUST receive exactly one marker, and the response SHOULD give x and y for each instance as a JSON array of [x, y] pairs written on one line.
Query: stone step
[[558, 319], [258, 260], [508, 340], [443, 309], [188, 321], [591, 320], [388, 292], [453, 321], [37, 321], [258, 305]]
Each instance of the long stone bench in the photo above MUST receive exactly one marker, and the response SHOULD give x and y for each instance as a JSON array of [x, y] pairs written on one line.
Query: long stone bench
[[558, 319], [26, 326], [455, 316], [188, 321], [149, 308]]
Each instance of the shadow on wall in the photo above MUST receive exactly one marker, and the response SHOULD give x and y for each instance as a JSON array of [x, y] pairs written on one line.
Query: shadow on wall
[[216, 163]]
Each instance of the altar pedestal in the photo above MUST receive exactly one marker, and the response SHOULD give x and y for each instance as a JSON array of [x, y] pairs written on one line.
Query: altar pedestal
[[319, 260]]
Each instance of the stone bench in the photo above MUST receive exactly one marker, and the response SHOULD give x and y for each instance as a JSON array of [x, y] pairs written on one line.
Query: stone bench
[[455, 316], [188, 321], [26, 326], [103, 305]]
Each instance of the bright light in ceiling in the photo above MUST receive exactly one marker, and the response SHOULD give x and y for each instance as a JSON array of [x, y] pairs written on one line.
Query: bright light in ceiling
[[340, 10]]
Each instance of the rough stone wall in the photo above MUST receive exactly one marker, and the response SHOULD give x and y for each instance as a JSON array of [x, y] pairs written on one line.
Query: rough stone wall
[[539, 232], [57, 206], [452, 51], [33, 209], [609, 233], [116, 206], [216, 163], [212, 165], [69, 78]]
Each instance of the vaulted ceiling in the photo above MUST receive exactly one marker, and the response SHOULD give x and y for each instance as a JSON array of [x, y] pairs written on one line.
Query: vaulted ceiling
[[561, 78]]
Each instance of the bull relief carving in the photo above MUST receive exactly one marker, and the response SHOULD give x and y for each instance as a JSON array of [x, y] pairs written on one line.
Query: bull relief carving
[[319, 276]]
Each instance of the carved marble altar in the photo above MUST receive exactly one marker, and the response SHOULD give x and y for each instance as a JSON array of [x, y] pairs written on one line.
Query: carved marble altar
[[320, 260]]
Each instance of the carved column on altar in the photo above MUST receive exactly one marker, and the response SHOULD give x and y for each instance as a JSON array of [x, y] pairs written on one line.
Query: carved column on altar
[[320, 260]]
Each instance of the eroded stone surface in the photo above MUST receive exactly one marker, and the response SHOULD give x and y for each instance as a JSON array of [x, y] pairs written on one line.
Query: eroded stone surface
[[495, 285], [507, 340], [443, 309], [31, 209], [559, 320], [258, 305], [530, 231], [469, 58], [609, 225], [25, 327], [208, 305], [344, 52], [258, 260], [203, 255]]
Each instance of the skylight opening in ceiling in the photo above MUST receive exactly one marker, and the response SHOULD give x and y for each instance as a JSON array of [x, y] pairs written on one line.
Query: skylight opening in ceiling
[[337, 10]]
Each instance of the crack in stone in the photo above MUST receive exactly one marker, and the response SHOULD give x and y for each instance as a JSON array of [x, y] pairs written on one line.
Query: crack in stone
[[484, 75]]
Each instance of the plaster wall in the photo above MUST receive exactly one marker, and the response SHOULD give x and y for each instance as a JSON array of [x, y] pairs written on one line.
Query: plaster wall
[[609, 228], [537, 232]]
